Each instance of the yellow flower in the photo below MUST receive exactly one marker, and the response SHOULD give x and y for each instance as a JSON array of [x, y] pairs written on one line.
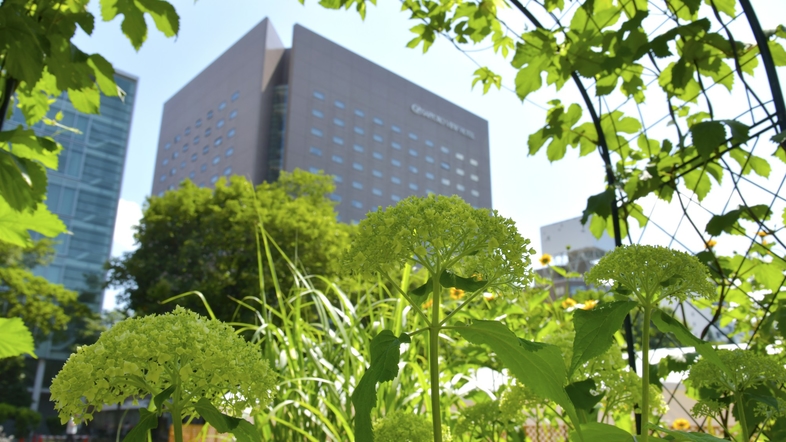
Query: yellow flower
[[427, 304], [456, 293], [545, 259], [711, 243], [589, 304], [764, 242], [570, 302], [680, 424], [762, 233], [488, 296]]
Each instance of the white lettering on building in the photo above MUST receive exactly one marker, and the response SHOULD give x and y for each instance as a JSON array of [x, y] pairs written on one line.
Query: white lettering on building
[[417, 110]]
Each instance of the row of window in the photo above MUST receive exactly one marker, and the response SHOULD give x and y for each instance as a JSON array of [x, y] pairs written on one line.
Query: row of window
[[217, 159], [217, 142], [396, 180], [198, 123], [213, 179]]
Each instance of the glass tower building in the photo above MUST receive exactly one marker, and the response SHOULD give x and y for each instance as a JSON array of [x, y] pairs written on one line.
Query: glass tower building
[[84, 193]]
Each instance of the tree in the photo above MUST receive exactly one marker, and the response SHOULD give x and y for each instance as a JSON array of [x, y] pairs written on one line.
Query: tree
[[37, 63], [203, 239]]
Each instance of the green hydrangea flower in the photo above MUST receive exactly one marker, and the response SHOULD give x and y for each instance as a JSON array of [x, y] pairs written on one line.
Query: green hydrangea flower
[[748, 370], [441, 232], [143, 356], [403, 427], [653, 273]]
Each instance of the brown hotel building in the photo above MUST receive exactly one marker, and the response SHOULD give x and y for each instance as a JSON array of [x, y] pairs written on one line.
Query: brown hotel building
[[261, 108]]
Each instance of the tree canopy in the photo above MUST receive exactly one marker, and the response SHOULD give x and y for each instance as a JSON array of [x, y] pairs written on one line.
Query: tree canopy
[[204, 239]]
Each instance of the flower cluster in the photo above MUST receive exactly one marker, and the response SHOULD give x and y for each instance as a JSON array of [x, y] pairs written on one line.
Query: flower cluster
[[653, 273], [399, 426], [143, 356], [440, 232], [746, 370]]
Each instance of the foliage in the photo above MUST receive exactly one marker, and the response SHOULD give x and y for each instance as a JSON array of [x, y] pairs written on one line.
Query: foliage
[[400, 426], [191, 365], [15, 338], [39, 63], [25, 419], [203, 239]]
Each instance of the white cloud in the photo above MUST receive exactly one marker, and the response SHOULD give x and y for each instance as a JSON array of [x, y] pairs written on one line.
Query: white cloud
[[128, 215]]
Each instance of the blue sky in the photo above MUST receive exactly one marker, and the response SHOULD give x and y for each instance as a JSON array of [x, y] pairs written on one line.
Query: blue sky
[[528, 189]]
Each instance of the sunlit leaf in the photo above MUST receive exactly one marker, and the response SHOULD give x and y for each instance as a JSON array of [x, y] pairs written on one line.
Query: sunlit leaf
[[595, 330], [15, 338]]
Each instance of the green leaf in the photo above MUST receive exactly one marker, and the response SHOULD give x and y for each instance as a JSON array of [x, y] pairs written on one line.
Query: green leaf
[[778, 53], [595, 330], [420, 294], [384, 367], [597, 432], [86, 100], [682, 436], [538, 366], [14, 225], [708, 136], [164, 15], [727, 222], [147, 421], [104, 74], [240, 428], [24, 143], [15, 338], [599, 205], [667, 324], [163, 396], [448, 279], [23, 54], [581, 396], [22, 182]]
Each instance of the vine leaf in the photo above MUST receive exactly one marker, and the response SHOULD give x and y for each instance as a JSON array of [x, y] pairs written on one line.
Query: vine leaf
[[595, 330], [14, 225], [16, 338], [538, 366], [599, 205], [667, 324], [707, 137], [384, 367], [729, 222]]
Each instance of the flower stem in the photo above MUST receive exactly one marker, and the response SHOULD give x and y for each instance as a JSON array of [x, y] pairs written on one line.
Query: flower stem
[[436, 416], [645, 373], [177, 421], [741, 417]]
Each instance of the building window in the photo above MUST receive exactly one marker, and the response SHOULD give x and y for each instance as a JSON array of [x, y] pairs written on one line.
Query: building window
[[216, 159], [232, 115], [167, 146], [395, 180], [338, 140], [222, 106], [429, 192], [163, 178], [460, 187], [319, 95], [338, 178], [395, 145], [192, 175], [220, 124], [196, 141], [413, 169], [316, 132], [206, 149], [194, 157], [429, 175], [236, 95], [413, 186], [429, 143], [315, 151], [473, 177], [227, 171], [182, 164], [171, 187], [395, 162], [444, 149], [357, 185], [413, 152], [209, 114], [429, 159], [360, 113], [173, 171], [185, 148], [473, 162], [444, 165], [459, 156], [474, 192], [358, 148], [177, 139], [198, 123], [335, 197], [460, 172], [378, 122], [356, 204], [188, 130], [337, 159], [231, 133], [203, 168], [357, 166], [230, 151], [359, 131], [412, 136], [376, 192], [166, 161], [395, 198], [313, 170], [446, 181], [376, 173], [377, 137], [213, 179], [174, 155], [208, 131], [218, 141], [395, 129], [339, 104], [378, 155], [338, 122], [317, 113]]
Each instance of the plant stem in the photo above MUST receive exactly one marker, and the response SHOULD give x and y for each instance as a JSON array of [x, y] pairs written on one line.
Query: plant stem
[[436, 416], [645, 373], [177, 421], [741, 416]]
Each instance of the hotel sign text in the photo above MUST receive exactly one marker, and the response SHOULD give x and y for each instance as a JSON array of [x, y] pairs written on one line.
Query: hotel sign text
[[437, 119]]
